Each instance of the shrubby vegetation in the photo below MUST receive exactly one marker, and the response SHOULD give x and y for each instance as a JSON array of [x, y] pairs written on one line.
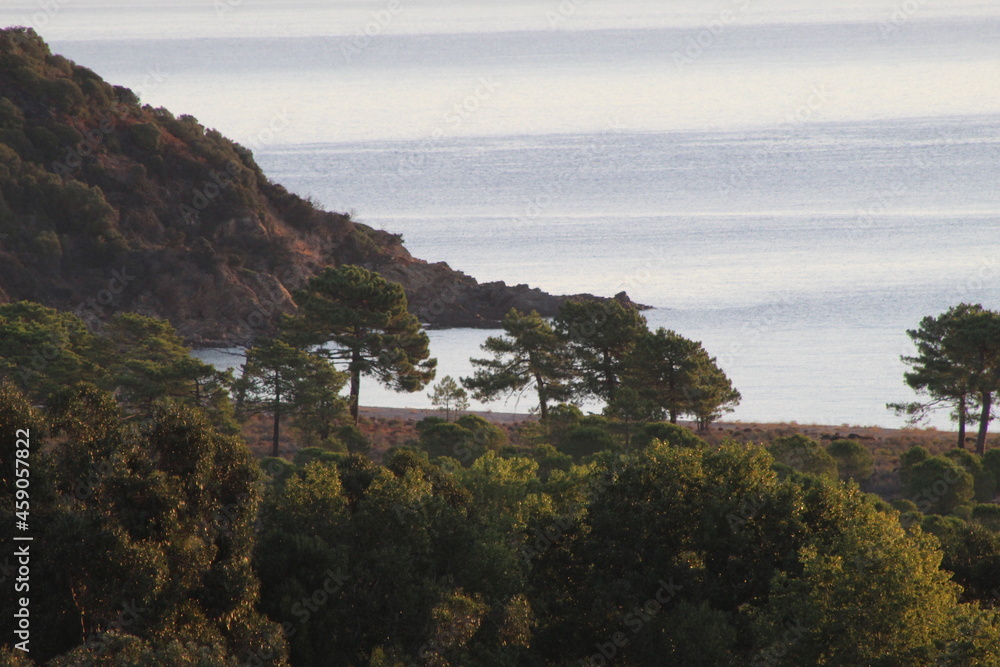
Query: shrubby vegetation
[[590, 539], [467, 550], [164, 542]]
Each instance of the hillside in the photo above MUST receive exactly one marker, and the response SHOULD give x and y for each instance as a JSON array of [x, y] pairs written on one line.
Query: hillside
[[109, 205]]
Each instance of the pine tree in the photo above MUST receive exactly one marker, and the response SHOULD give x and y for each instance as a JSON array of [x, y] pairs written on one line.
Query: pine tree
[[356, 316], [448, 396], [599, 336], [531, 354]]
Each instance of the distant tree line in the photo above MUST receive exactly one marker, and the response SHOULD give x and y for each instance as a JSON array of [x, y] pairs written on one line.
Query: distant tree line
[[603, 350]]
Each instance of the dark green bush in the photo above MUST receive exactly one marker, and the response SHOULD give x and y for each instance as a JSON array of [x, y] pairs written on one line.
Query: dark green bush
[[310, 454], [549, 459], [854, 461], [146, 136], [804, 455], [585, 441], [452, 440], [355, 440], [672, 434]]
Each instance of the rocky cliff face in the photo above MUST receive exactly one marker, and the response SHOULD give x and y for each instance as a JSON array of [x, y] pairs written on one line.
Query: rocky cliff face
[[108, 205]]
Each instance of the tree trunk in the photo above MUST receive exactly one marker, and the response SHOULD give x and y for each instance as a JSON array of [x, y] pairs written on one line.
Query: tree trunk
[[610, 381], [672, 389], [984, 422], [962, 414], [543, 408], [274, 440], [355, 383], [277, 420]]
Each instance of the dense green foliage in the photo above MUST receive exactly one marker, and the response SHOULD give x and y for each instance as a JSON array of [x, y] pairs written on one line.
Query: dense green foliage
[[853, 459], [141, 359], [142, 536], [160, 540], [672, 554]]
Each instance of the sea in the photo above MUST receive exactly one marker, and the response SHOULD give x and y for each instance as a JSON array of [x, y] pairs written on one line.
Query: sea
[[794, 184]]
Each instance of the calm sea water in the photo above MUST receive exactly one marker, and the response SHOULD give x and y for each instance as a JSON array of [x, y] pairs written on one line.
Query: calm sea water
[[793, 185]]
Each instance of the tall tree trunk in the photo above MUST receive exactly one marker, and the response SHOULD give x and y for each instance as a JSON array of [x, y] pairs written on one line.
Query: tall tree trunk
[[543, 407], [984, 422], [962, 415], [610, 381], [277, 420], [672, 388], [355, 383]]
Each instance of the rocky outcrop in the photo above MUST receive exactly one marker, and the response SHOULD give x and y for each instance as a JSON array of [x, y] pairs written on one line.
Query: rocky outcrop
[[443, 297]]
